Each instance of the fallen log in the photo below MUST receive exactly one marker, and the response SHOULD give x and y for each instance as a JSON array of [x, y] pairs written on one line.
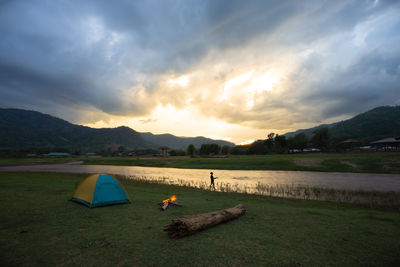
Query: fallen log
[[188, 225]]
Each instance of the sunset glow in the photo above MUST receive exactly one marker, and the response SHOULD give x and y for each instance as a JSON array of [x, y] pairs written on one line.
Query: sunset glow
[[234, 70], [182, 81]]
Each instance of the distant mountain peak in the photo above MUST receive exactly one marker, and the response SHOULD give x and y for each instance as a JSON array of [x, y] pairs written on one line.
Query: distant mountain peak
[[181, 142], [24, 129], [377, 123]]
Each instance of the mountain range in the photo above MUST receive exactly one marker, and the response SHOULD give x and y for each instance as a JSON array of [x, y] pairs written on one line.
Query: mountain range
[[380, 122], [23, 129]]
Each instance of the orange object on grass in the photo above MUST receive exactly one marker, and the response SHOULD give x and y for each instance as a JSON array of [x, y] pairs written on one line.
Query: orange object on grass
[[171, 199]]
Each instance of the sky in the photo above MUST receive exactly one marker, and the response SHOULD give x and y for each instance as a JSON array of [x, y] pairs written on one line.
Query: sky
[[233, 70]]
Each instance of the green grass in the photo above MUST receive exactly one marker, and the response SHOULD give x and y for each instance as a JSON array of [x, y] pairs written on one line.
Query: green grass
[[39, 226], [33, 160], [335, 162]]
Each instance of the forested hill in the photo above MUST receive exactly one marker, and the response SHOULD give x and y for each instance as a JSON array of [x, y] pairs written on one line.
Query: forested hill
[[23, 129], [377, 123], [182, 142]]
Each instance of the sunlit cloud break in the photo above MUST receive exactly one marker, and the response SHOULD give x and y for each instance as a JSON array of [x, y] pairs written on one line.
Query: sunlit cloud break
[[230, 69]]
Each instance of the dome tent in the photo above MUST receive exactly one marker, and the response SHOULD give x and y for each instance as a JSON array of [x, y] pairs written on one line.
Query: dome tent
[[100, 190]]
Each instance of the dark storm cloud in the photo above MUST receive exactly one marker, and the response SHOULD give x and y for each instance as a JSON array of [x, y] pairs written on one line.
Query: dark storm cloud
[[373, 81], [111, 55]]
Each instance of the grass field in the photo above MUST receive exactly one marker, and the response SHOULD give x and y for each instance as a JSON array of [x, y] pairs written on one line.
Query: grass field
[[344, 162], [33, 160], [39, 226]]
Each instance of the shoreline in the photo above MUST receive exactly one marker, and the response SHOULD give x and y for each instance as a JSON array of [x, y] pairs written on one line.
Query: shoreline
[[363, 198], [249, 178]]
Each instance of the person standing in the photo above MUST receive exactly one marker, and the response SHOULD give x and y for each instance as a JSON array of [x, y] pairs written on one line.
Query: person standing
[[212, 180]]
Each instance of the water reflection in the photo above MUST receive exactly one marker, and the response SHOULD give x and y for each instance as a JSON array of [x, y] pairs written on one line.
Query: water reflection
[[247, 180]]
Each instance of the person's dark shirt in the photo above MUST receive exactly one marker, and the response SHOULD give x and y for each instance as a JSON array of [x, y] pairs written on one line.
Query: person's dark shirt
[[212, 178]]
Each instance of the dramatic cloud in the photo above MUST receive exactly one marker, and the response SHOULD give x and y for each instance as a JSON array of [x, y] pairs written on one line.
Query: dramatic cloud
[[251, 66]]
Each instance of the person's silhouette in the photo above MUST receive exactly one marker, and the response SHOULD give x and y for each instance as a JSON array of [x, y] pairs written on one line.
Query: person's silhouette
[[212, 180]]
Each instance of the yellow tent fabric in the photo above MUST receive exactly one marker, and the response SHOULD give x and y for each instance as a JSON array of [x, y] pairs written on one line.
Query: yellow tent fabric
[[86, 188]]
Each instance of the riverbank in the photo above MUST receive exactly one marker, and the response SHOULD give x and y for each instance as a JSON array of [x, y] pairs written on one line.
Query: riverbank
[[379, 162], [249, 181], [40, 226]]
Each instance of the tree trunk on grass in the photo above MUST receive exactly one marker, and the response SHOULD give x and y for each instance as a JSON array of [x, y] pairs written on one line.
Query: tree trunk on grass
[[188, 225]]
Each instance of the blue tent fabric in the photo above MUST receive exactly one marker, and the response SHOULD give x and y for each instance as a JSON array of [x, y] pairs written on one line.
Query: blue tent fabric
[[100, 190], [108, 191]]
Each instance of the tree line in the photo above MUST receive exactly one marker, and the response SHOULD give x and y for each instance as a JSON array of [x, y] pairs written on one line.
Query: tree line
[[274, 143]]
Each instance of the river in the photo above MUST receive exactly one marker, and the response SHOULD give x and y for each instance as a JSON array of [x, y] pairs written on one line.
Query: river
[[248, 179]]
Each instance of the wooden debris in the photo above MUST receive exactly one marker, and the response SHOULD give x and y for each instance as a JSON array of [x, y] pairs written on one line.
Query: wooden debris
[[169, 204], [165, 206], [188, 225]]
